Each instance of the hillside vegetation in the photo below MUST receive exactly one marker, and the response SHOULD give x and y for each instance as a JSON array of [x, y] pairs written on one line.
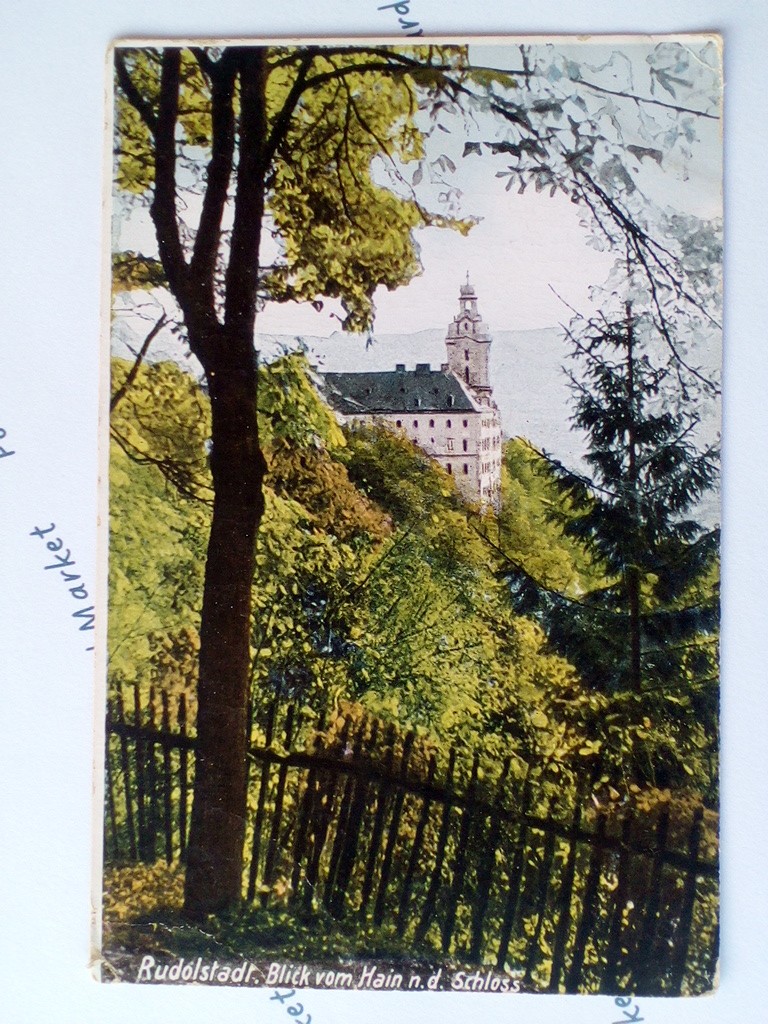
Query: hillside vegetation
[[377, 586]]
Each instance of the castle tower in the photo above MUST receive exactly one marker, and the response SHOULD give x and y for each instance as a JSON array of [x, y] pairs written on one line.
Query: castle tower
[[468, 344]]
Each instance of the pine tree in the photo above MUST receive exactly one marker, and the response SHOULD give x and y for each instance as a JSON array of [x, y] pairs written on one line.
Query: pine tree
[[643, 640], [647, 477]]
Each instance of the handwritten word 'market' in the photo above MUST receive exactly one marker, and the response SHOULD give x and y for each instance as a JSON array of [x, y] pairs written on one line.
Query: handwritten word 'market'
[[403, 8], [62, 562]]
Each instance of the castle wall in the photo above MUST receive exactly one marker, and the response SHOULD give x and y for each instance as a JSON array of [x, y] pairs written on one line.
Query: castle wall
[[466, 444]]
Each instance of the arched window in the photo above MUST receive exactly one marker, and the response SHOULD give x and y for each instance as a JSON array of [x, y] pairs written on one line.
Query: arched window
[[431, 423], [450, 401], [398, 423], [466, 374], [464, 423], [466, 469], [449, 468], [447, 423], [464, 444], [416, 424], [466, 355]]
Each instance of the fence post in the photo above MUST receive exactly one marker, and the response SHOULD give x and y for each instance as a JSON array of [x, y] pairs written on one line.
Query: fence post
[[428, 909], [167, 783], [589, 910], [394, 824], [253, 867], [321, 823], [426, 809], [486, 866], [354, 822], [141, 809], [612, 956], [643, 958], [378, 823], [680, 953], [277, 813], [184, 781], [514, 877], [305, 815], [460, 861], [565, 896], [126, 766]]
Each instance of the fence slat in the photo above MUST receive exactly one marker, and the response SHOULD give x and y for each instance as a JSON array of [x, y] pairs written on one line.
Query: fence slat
[[277, 812], [378, 821], [253, 867], [139, 747], [332, 900], [153, 816], [394, 829], [321, 823], [414, 859], [485, 868], [428, 909], [167, 783], [643, 956], [184, 780], [564, 901], [613, 952], [355, 821], [680, 953], [460, 861], [126, 766], [111, 812], [514, 878], [588, 918], [542, 889], [305, 815]]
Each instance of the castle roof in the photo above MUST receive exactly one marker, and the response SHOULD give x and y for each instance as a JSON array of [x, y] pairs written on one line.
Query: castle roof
[[400, 390]]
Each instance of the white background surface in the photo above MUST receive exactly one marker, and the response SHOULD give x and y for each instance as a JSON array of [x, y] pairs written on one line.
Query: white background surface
[[51, 159]]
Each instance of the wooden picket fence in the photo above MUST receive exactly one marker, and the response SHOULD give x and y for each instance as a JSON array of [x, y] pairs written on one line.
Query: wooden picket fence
[[463, 861]]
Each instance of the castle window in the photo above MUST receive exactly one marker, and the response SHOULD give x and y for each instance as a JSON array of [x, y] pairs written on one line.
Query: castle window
[[447, 423], [465, 423], [466, 374], [466, 469], [431, 423], [449, 444], [464, 444], [466, 355], [449, 468], [416, 424], [450, 402], [398, 423]]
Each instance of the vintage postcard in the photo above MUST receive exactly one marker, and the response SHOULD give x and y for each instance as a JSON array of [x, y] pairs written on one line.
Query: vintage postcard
[[414, 418]]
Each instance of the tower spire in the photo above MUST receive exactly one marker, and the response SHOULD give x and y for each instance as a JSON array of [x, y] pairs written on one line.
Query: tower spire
[[468, 343]]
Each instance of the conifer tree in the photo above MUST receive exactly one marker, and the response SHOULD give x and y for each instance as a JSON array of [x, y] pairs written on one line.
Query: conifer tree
[[645, 638]]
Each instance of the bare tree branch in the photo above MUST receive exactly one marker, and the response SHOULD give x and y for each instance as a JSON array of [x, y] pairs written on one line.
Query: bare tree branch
[[118, 395]]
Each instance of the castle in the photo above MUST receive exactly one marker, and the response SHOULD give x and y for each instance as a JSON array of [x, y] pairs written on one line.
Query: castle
[[449, 413]]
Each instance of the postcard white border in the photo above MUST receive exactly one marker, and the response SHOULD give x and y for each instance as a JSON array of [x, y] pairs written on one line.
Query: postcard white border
[[50, 289]]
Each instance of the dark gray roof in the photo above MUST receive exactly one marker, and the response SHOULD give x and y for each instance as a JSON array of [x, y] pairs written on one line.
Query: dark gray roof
[[416, 390]]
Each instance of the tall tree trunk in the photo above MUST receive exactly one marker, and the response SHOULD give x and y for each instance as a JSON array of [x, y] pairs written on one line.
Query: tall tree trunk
[[217, 832]]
